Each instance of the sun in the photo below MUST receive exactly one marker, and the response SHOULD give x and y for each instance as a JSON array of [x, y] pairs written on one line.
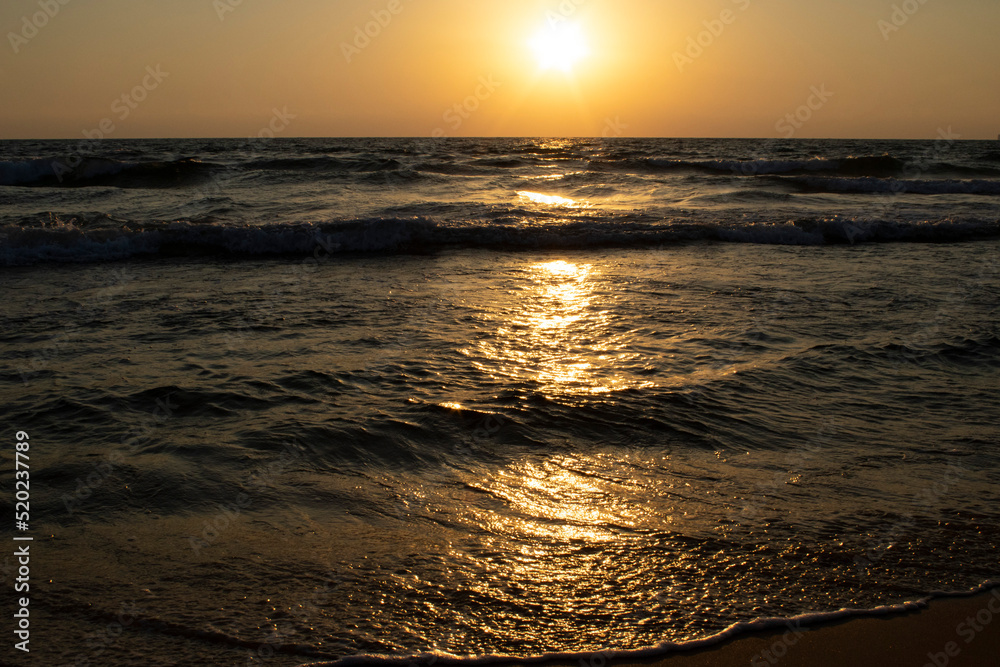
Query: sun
[[560, 47]]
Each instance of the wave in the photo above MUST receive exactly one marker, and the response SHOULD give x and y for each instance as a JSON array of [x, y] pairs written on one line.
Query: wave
[[118, 171], [741, 195], [325, 164], [150, 624], [548, 152], [868, 185], [661, 650], [75, 172], [880, 166], [507, 163], [974, 353], [78, 241], [361, 169], [450, 168], [445, 165]]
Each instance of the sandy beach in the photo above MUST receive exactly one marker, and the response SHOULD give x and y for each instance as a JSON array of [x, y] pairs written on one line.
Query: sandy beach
[[953, 632]]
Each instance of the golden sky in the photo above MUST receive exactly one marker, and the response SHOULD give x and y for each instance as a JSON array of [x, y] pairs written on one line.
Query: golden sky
[[672, 68]]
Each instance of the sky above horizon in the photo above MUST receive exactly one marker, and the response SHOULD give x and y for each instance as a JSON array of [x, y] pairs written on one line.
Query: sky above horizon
[[684, 68]]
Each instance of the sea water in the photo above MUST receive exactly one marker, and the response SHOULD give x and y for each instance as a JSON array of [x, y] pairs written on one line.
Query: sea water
[[304, 399]]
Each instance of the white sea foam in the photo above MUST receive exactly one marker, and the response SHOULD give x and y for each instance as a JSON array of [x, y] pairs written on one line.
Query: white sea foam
[[659, 651], [72, 241]]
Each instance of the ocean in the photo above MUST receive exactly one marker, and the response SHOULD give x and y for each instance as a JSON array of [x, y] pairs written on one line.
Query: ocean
[[305, 399]]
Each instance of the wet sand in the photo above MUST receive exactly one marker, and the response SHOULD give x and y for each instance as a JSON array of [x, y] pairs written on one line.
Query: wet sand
[[952, 632]]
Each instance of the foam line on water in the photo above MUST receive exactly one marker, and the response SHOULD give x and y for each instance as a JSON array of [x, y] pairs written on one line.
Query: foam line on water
[[661, 650], [69, 242]]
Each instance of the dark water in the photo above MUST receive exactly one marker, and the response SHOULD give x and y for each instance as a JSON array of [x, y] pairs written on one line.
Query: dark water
[[562, 403], [87, 201]]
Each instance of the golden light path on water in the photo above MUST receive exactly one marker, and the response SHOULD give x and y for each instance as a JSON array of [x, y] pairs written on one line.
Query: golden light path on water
[[550, 200], [570, 529], [560, 501], [560, 515], [559, 335]]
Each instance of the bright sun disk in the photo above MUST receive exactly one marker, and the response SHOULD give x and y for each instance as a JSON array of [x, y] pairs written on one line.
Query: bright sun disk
[[559, 47]]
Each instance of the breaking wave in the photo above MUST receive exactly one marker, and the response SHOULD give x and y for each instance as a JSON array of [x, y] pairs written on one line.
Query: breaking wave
[[75, 171], [77, 241]]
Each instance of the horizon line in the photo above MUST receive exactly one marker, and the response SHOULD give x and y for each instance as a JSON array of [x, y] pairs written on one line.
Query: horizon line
[[481, 138]]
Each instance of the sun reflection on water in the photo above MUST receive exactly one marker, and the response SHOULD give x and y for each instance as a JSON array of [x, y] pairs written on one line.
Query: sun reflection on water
[[569, 529], [561, 518], [556, 501], [559, 334], [551, 200]]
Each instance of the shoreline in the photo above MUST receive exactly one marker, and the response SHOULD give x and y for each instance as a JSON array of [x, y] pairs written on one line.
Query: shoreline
[[946, 630]]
